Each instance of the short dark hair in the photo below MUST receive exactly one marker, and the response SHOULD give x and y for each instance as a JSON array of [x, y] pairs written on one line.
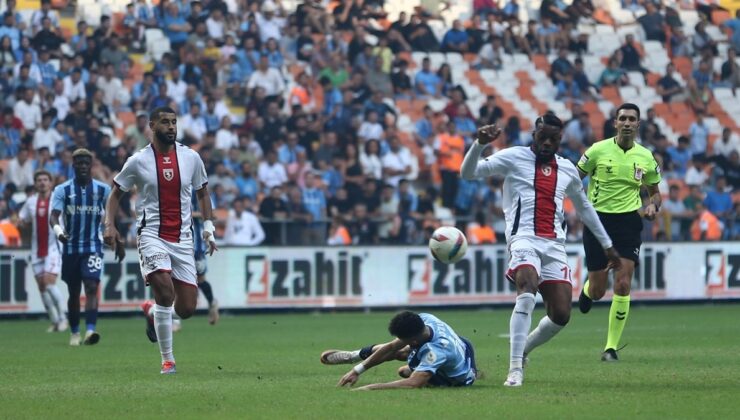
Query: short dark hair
[[629, 105], [42, 172], [154, 115], [406, 324], [548, 119]]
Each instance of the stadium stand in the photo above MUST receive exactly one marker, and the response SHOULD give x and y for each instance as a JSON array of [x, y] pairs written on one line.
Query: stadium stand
[[360, 100]]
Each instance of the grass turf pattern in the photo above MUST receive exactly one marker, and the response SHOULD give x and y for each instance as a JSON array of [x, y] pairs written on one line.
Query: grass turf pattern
[[681, 362]]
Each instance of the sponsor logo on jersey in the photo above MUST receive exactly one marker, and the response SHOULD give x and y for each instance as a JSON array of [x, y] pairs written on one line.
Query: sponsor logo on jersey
[[166, 159]]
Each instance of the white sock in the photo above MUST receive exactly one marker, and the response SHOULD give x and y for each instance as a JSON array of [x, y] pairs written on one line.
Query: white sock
[[59, 301], [163, 326], [542, 334], [521, 320], [49, 305]]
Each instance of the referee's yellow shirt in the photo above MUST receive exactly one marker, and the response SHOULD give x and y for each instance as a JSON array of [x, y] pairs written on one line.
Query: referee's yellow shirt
[[616, 175]]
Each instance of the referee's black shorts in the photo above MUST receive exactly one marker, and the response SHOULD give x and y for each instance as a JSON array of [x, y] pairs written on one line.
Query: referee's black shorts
[[625, 230]]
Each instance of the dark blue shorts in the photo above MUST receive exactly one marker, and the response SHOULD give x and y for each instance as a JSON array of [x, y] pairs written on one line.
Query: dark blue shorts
[[441, 380], [80, 267]]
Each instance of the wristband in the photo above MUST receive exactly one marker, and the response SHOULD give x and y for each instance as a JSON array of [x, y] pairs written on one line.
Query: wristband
[[359, 369], [208, 227], [58, 231]]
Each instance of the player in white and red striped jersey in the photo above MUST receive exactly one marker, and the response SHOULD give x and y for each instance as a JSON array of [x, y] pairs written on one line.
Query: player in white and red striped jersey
[[536, 181], [45, 256], [165, 174]]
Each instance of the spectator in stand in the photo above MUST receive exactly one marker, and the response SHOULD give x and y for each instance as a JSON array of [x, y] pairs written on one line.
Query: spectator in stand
[[450, 148], [378, 79], [271, 173], [27, 110], [612, 75], [427, 83], [420, 35], [553, 11], [696, 175], [192, 125], [424, 126], [314, 201], [11, 132], [74, 86], [653, 23], [730, 73], [457, 105], [372, 165], [567, 89], [632, 56], [20, 170], [45, 12], [445, 74], [680, 157], [491, 55], [700, 85], [725, 145], [176, 28], [547, 34], [707, 227], [397, 162], [245, 182], [465, 124], [338, 233], [680, 44], [46, 136], [699, 136], [480, 232], [456, 39], [734, 25], [268, 78], [702, 40], [490, 112], [581, 80], [679, 214], [363, 230], [402, 87], [579, 129], [242, 226], [370, 128], [731, 170], [719, 202], [669, 88], [288, 152], [274, 209], [561, 66]]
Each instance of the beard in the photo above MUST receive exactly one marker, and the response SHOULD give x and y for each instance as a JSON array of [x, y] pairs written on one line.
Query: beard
[[164, 138]]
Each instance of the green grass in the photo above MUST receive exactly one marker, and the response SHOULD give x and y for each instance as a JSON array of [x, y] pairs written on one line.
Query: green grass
[[681, 362]]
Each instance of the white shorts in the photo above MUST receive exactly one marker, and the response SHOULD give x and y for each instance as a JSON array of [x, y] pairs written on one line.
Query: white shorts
[[50, 264], [546, 256], [159, 255]]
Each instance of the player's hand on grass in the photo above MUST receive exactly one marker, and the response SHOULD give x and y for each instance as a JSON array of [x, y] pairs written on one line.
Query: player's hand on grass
[[615, 261], [350, 378], [488, 134]]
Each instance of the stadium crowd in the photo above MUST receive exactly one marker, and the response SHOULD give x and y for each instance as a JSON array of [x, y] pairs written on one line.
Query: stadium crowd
[[293, 110]]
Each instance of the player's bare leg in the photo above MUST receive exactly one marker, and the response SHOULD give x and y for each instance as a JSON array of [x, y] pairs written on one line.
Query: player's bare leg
[[526, 280], [557, 297], [164, 299], [73, 310], [91, 311], [339, 357], [595, 288]]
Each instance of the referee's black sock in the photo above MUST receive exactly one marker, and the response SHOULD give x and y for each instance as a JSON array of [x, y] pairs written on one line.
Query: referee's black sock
[[205, 287]]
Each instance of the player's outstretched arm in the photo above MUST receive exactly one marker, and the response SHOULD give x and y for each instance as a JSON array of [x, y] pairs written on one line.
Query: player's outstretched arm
[[111, 237], [472, 167], [416, 380], [204, 202], [589, 217], [58, 229], [378, 357]]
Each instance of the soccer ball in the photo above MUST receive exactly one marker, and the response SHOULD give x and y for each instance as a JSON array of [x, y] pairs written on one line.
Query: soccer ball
[[448, 245]]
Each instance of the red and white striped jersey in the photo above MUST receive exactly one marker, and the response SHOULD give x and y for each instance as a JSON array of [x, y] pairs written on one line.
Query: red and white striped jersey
[[165, 183], [533, 191], [43, 241]]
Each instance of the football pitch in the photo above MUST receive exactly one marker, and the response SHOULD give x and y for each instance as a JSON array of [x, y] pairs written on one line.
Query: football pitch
[[680, 362]]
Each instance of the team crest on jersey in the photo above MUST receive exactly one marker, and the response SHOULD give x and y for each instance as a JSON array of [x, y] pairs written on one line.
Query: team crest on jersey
[[431, 357], [168, 174], [546, 170], [42, 211]]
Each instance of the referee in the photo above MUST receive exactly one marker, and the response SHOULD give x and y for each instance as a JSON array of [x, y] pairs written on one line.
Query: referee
[[618, 167]]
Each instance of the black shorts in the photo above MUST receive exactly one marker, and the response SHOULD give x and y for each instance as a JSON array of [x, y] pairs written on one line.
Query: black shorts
[[625, 230]]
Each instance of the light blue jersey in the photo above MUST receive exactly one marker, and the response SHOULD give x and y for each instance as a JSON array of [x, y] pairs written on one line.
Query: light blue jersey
[[447, 356], [82, 208]]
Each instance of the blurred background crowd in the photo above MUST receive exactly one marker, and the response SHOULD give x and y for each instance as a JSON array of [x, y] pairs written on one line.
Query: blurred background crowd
[[345, 122]]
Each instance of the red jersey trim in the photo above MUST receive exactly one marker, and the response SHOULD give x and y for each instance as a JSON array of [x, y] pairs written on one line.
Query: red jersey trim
[[545, 186], [42, 226], [168, 188]]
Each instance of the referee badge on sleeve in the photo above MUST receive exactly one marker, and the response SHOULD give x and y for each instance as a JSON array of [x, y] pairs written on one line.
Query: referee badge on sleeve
[[638, 173]]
